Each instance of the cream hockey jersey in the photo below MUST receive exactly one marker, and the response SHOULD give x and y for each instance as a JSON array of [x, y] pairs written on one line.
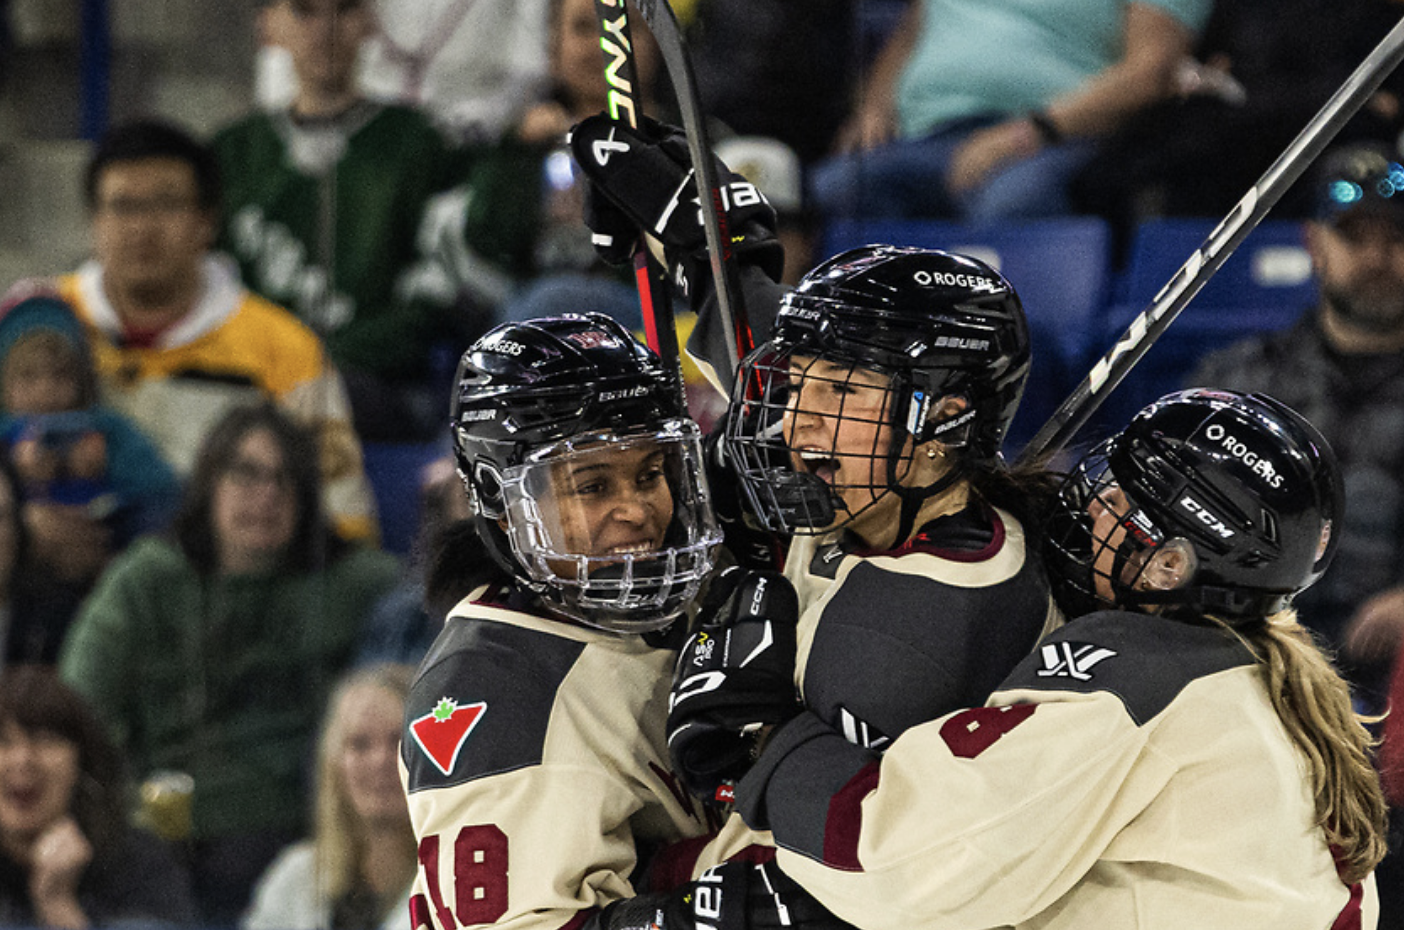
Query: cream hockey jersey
[[1131, 773], [536, 768], [887, 640]]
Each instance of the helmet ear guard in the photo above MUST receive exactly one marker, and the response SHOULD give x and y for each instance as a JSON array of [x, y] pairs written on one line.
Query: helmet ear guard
[[950, 419], [1171, 567], [485, 485], [1161, 578]]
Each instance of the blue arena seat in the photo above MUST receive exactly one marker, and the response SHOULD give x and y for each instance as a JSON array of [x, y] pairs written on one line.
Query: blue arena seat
[[1270, 267], [394, 471], [1061, 268], [1200, 329], [1266, 284]]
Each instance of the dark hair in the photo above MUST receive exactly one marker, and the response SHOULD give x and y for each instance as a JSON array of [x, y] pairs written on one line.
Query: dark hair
[[1028, 490], [149, 138], [11, 479], [37, 700], [458, 562], [313, 543]]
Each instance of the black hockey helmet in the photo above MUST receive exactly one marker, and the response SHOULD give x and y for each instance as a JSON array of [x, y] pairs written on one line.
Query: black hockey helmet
[[936, 323], [540, 399], [1227, 504]]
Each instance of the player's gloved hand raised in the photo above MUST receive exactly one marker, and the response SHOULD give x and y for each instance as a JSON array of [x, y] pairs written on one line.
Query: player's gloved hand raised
[[735, 676], [641, 181], [730, 896]]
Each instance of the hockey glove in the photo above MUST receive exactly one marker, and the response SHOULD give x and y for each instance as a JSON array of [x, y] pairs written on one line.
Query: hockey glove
[[735, 675], [731, 896], [641, 181], [612, 233]]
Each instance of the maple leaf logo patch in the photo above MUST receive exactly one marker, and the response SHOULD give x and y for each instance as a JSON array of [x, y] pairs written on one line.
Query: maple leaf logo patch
[[442, 732]]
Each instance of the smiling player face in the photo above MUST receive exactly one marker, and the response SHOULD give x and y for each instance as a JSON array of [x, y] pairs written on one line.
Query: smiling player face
[[610, 501]]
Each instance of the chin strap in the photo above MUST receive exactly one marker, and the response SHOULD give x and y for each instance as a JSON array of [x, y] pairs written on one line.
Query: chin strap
[[913, 498]]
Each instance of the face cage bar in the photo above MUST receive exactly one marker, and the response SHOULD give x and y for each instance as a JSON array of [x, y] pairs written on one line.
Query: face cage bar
[[764, 440], [621, 592], [1073, 537], [637, 594]]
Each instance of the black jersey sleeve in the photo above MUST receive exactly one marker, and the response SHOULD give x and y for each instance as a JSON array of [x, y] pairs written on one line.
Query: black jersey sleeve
[[471, 712]]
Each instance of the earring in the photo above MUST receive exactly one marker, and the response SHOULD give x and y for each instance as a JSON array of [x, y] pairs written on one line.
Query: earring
[[933, 452]]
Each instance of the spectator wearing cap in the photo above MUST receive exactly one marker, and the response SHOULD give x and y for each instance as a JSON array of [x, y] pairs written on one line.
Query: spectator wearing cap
[[1342, 365], [87, 480]]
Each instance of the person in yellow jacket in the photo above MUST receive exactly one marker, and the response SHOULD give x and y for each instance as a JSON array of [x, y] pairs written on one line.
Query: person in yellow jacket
[[176, 337]]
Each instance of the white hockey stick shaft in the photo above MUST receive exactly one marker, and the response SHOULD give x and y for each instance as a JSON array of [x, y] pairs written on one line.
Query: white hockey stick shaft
[[1226, 237]]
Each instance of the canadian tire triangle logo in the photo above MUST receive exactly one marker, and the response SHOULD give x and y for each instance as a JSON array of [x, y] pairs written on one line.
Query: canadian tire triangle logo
[[442, 732]]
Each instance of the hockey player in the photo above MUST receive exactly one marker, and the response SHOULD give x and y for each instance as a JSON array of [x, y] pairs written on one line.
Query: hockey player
[[866, 433], [533, 752], [1181, 756], [867, 430]]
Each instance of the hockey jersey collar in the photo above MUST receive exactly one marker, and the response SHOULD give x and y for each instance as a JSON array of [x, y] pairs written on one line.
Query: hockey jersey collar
[[974, 533]]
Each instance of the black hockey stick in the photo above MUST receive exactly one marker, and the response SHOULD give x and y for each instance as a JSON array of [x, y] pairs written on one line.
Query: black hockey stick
[[663, 23], [1226, 237], [616, 41]]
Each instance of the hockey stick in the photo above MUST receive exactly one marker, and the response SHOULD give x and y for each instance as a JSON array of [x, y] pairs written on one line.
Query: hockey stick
[[660, 329], [1147, 327], [663, 23]]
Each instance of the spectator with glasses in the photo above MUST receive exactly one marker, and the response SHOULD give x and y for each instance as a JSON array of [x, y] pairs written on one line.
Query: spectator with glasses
[[211, 652], [176, 337]]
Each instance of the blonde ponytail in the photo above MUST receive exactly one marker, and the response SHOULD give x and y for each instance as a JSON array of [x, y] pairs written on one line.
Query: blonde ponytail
[[1314, 704]]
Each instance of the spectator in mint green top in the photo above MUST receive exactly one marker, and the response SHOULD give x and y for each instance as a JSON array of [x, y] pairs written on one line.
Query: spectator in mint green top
[[211, 652], [983, 109]]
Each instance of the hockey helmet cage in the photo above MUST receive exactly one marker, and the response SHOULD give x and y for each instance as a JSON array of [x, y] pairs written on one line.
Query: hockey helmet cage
[[936, 323], [536, 398]]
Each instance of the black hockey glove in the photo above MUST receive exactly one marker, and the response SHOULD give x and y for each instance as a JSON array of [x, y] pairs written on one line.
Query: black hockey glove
[[641, 180], [731, 896], [735, 675]]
